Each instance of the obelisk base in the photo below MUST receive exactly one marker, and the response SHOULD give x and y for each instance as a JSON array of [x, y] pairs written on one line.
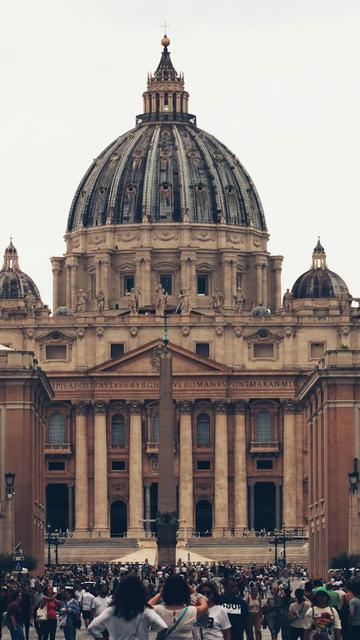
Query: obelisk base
[[166, 541]]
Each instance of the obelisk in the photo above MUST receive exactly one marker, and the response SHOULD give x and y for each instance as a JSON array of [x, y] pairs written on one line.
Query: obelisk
[[167, 516]]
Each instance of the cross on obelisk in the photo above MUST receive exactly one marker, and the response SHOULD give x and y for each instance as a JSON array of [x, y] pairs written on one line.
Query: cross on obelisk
[[167, 525]]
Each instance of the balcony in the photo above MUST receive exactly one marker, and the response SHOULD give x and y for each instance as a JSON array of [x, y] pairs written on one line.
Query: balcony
[[264, 447], [58, 449], [152, 447]]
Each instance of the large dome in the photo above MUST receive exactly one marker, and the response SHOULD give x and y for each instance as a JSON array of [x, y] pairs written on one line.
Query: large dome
[[166, 169]]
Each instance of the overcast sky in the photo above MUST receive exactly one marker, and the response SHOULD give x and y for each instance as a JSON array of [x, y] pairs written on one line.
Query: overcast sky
[[275, 80]]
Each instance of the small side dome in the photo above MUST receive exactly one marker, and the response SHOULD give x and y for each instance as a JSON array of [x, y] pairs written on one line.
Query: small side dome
[[260, 312], [62, 311], [14, 283], [319, 281]]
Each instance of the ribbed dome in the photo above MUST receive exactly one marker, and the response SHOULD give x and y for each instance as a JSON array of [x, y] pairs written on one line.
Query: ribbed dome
[[14, 283], [166, 169], [319, 281]]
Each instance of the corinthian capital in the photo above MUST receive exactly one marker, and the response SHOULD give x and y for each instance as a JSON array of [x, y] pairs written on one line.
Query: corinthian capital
[[220, 406], [134, 406], [184, 406]]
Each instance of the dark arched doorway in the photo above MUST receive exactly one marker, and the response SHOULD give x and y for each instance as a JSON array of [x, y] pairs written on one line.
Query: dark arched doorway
[[203, 518], [118, 518]]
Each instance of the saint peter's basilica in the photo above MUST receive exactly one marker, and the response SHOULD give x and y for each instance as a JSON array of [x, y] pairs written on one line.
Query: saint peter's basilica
[[266, 384]]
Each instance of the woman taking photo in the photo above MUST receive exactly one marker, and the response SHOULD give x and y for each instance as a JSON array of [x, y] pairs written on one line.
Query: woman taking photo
[[216, 624], [176, 611], [49, 605], [128, 617]]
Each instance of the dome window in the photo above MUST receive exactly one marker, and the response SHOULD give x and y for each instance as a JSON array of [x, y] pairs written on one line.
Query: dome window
[[101, 190], [200, 186]]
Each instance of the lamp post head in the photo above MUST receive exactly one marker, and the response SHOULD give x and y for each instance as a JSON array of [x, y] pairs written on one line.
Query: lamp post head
[[354, 477], [10, 481]]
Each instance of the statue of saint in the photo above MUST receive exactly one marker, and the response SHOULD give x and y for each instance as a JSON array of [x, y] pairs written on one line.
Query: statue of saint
[[184, 301], [134, 301], [160, 299], [216, 300], [100, 301], [81, 301], [288, 301], [345, 303], [30, 302], [239, 299]]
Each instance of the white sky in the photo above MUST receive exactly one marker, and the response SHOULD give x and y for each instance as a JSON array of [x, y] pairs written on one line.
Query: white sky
[[275, 80]]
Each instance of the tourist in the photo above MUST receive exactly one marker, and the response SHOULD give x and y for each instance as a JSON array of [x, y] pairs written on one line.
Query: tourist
[[272, 611], [48, 607], [286, 601], [254, 620], [14, 619], [86, 605], [322, 621], [27, 606], [297, 612], [176, 611], [102, 601], [236, 608], [217, 625], [70, 619], [353, 597], [128, 617]]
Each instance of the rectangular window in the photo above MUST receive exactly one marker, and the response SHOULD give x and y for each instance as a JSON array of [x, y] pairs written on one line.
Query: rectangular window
[[117, 350], [238, 280], [203, 465], [203, 349], [118, 465], [262, 465], [203, 285], [129, 283], [166, 281], [317, 350], [263, 350], [56, 352], [56, 466]]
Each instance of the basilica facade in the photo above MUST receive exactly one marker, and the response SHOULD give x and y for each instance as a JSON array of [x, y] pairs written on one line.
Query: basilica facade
[[166, 221]]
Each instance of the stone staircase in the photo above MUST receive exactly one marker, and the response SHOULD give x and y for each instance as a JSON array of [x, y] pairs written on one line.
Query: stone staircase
[[241, 550]]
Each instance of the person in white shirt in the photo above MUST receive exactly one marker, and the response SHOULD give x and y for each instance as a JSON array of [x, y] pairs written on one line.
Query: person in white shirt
[[216, 624], [322, 621], [102, 601], [86, 603], [128, 616]]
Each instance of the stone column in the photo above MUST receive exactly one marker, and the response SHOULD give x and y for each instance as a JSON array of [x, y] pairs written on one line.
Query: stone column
[[98, 283], [227, 281], [68, 285], [71, 507], [147, 507], [74, 287], [221, 524], [81, 473], [186, 493], [240, 477], [252, 504], [278, 518], [136, 528], [56, 269], [289, 465], [106, 277], [259, 295], [264, 286], [277, 291], [101, 518]]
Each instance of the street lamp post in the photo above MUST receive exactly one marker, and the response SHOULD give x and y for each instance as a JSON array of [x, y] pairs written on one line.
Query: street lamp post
[[9, 541], [284, 545], [48, 539], [353, 540]]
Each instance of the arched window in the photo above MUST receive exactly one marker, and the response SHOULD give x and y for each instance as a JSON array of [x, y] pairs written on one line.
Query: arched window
[[203, 430], [263, 427], [56, 428], [118, 430], [155, 427]]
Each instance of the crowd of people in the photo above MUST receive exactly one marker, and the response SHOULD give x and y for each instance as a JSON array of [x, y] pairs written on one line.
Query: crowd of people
[[210, 601]]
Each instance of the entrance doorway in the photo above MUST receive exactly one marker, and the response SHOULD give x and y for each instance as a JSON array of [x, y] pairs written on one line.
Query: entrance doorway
[[118, 519], [203, 518], [265, 506], [57, 506]]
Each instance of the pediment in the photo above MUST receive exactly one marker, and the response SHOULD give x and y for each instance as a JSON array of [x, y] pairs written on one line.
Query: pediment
[[145, 360]]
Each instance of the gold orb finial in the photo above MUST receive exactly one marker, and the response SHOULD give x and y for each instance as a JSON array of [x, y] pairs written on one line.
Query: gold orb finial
[[165, 41]]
